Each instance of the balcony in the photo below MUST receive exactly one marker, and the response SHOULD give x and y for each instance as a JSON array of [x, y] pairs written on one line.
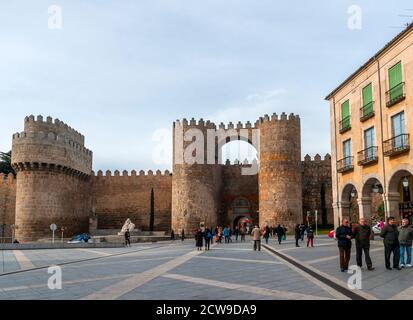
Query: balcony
[[367, 111], [345, 165], [345, 125], [367, 156], [395, 95], [396, 145]]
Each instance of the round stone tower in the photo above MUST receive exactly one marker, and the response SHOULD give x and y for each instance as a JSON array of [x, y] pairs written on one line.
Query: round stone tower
[[280, 187], [53, 170], [196, 182]]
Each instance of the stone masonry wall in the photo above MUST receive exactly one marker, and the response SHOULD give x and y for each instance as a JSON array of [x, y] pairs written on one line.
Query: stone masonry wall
[[53, 179], [316, 173], [236, 186], [45, 197], [280, 177], [7, 204], [119, 197]]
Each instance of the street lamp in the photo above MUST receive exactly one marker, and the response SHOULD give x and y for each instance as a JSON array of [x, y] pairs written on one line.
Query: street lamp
[[376, 188], [352, 195], [405, 182]]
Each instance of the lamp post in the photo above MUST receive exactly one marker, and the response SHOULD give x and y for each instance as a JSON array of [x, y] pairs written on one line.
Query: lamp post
[[405, 183], [352, 195]]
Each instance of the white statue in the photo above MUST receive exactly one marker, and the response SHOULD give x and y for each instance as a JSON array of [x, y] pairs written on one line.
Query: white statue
[[128, 225]]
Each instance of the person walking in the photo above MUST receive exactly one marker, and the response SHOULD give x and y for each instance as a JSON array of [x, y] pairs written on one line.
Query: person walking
[[344, 236], [362, 234], [172, 235], [182, 235], [199, 239], [243, 232], [208, 239], [284, 233], [256, 237], [302, 232], [390, 235], [310, 237], [236, 233], [267, 233], [127, 238], [297, 234], [405, 240], [280, 233], [226, 235]]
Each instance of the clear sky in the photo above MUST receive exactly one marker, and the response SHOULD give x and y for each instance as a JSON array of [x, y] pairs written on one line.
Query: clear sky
[[121, 72]]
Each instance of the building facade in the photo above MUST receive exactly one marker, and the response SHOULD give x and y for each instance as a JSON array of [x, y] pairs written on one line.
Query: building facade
[[55, 182], [371, 121]]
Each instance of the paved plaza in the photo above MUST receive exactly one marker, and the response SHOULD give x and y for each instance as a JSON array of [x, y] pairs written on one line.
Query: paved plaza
[[175, 270]]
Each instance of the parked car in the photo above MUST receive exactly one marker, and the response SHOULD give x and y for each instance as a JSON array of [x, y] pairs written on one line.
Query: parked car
[[80, 238]]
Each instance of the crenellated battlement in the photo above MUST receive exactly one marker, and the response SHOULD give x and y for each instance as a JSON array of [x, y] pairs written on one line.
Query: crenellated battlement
[[239, 163], [50, 144], [7, 179], [274, 118], [200, 124], [317, 159], [133, 173], [49, 138], [32, 124]]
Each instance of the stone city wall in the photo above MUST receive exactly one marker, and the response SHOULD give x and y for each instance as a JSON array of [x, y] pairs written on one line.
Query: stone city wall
[[7, 204], [119, 197]]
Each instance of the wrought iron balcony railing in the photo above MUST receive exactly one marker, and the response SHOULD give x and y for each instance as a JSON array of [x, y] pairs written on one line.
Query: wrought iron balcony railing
[[346, 164], [345, 124], [396, 145], [395, 95], [367, 156], [367, 111]]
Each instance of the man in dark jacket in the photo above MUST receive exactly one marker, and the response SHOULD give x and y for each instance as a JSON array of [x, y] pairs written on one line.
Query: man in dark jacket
[[362, 234], [280, 233], [297, 234], [344, 236], [390, 236]]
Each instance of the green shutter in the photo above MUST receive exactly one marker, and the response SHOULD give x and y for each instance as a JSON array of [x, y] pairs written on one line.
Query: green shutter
[[345, 109], [395, 75], [395, 79], [367, 95]]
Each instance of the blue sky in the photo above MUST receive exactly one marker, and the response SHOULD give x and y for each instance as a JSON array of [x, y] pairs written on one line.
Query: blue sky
[[121, 72]]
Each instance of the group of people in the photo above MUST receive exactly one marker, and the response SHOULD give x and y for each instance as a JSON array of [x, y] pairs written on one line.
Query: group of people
[[281, 233], [397, 241]]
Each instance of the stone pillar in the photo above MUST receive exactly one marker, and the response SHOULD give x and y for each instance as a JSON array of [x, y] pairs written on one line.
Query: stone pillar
[[365, 208], [392, 200], [344, 210], [337, 215]]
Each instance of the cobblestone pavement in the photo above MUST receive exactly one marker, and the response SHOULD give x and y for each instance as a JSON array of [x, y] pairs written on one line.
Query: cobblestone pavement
[[176, 270]]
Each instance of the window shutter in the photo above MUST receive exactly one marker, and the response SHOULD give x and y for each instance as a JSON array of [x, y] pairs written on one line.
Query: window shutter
[[367, 95], [345, 110], [395, 75]]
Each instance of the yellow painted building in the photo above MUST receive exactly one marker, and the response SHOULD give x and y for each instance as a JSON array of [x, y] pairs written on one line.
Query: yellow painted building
[[371, 119]]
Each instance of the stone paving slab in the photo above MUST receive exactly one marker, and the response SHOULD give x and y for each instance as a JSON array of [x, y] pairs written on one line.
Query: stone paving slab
[[216, 274]]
